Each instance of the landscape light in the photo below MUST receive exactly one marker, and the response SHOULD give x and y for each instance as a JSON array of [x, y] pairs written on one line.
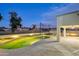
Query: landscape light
[[31, 34], [15, 36]]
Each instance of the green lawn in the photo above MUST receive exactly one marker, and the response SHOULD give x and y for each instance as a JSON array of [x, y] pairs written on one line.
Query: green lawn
[[21, 42]]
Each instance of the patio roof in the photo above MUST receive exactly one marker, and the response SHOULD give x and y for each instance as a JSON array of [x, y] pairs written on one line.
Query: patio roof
[[67, 13], [70, 26]]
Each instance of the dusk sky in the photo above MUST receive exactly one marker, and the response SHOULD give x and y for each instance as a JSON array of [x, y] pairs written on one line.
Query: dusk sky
[[34, 13]]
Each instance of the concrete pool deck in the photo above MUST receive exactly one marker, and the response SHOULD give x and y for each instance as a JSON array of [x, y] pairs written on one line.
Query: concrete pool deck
[[44, 47]]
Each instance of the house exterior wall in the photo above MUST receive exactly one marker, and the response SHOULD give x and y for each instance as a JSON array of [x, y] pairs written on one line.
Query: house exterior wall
[[65, 20], [68, 19]]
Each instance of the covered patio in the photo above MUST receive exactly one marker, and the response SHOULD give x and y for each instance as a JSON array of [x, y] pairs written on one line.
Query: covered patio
[[68, 26], [69, 31]]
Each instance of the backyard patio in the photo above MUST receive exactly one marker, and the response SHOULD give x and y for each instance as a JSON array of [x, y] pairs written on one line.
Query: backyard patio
[[45, 47]]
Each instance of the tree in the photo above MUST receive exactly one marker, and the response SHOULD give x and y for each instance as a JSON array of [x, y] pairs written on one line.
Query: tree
[[19, 22], [15, 21], [33, 26], [0, 17]]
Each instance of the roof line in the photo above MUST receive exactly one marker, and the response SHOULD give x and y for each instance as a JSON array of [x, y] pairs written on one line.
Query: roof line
[[67, 13]]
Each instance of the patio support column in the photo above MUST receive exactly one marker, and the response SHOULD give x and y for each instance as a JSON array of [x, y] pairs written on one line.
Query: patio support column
[[64, 32]]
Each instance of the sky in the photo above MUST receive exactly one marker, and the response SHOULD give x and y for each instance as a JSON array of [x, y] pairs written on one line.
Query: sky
[[34, 13]]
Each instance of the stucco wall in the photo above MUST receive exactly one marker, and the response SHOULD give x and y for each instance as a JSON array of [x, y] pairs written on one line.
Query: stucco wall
[[68, 19]]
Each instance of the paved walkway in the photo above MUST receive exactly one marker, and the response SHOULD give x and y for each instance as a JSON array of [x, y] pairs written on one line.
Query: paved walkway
[[43, 48]]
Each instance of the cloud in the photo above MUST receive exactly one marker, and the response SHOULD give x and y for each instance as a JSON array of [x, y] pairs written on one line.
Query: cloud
[[51, 15], [63, 10]]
